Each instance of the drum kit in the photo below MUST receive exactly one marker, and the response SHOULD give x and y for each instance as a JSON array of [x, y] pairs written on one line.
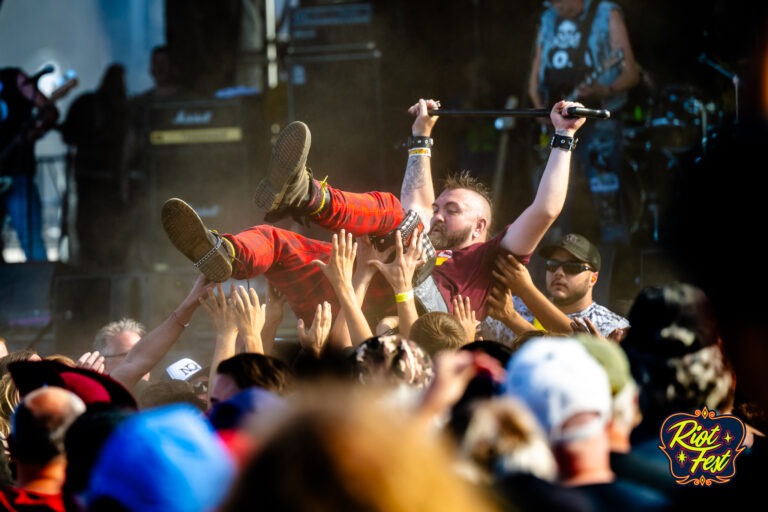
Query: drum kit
[[676, 126]]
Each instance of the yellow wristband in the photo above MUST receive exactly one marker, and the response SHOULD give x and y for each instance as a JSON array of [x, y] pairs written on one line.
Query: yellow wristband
[[403, 297], [420, 151]]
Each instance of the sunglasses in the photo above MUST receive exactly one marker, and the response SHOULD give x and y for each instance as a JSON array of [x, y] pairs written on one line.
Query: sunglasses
[[571, 268]]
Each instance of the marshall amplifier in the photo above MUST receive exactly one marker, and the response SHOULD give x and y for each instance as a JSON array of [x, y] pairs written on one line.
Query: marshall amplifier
[[196, 122], [210, 154]]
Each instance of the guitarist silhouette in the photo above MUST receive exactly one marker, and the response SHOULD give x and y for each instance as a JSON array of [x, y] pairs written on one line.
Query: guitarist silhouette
[[583, 53], [26, 116]]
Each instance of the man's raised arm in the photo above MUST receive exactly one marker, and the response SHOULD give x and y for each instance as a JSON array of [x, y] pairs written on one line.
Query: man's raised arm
[[526, 232], [418, 192]]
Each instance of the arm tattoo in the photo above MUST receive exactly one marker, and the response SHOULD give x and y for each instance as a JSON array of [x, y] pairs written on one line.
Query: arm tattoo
[[414, 176]]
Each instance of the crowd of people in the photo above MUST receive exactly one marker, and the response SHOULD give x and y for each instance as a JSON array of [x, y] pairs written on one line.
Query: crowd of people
[[431, 373]]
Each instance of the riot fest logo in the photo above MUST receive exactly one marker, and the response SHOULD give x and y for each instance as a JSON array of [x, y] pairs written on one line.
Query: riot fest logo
[[702, 447]]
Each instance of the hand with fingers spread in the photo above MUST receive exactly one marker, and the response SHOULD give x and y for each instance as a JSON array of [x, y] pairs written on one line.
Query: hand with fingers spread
[[424, 123], [341, 263], [462, 310], [399, 272], [274, 307], [91, 361], [365, 252], [315, 338], [513, 275], [248, 312], [222, 315], [339, 271], [618, 335], [585, 325]]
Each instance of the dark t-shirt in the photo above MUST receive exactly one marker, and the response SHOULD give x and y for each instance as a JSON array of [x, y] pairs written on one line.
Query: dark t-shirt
[[467, 272], [12, 499]]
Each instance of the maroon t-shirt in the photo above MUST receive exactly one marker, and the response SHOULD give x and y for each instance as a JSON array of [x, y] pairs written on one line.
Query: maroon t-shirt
[[467, 272]]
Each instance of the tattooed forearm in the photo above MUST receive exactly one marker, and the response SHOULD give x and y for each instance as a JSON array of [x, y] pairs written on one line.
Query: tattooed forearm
[[415, 175]]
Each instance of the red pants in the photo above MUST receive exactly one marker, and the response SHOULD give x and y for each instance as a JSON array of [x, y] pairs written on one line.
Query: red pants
[[284, 257]]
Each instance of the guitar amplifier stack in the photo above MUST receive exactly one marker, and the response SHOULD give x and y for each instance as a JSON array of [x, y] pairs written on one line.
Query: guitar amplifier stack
[[334, 85], [210, 154]]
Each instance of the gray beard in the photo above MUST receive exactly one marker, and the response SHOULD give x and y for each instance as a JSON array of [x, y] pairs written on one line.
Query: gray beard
[[443, 241]]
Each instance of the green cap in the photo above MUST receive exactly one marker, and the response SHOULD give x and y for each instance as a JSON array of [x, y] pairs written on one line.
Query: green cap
[[611, 357], [577, 245]]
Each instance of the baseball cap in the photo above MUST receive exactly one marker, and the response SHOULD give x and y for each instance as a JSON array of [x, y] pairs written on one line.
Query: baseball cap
[[184, 369], [557, 379], [165, 459], [611, 357], [91, 386], [577, 245]]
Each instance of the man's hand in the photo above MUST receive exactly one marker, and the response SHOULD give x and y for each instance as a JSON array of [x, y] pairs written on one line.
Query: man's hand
[[91, 361], [274, 307], [585, 326], [365, 252], [222, 316], [565, 125], [199, 289], [249, 315], [399, 272], [340, 265], [512, 274], [462, 310], [424, 123], [501, 306], [316, 337]]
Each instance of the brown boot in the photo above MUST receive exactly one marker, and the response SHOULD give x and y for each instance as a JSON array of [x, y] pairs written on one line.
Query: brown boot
[[211, 254], [288, 188]]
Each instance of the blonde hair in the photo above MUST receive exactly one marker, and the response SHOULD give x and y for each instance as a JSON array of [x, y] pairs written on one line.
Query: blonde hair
[[9, 400], [342, 450]]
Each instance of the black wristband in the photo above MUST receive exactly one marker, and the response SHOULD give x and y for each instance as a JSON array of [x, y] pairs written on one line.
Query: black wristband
[[419, 141], [563, 142]]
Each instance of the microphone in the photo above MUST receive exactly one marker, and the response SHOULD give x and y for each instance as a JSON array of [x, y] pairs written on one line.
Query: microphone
[[588, 112], [34, 78]]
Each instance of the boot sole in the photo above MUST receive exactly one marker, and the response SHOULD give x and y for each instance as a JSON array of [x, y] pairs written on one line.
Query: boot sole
[[189, 235], [289, 156]]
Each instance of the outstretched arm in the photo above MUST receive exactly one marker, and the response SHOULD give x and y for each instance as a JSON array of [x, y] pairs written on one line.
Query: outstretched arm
[[399, 275], [513, 275], [155, 344], [418, 191], [526, 232], [338, 270]]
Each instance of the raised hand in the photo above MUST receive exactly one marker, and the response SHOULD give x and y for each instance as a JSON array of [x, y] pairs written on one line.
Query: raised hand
[[91, 361], [565, 125], [424, 122], [512, 274], [315, 338], [399, 272], [584, 325], [501, 304], [462, 310], [365, 252], [340, 265], [249, 314], [222, 316]]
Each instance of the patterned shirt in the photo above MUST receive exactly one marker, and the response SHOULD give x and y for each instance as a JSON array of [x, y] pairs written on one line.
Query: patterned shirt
[[605, 320]]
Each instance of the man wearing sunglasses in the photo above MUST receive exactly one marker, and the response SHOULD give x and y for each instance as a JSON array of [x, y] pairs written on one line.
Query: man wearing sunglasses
[[573, 264]]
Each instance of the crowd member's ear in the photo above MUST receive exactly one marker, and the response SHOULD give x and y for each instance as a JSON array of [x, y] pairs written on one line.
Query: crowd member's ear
[[593, 279]]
